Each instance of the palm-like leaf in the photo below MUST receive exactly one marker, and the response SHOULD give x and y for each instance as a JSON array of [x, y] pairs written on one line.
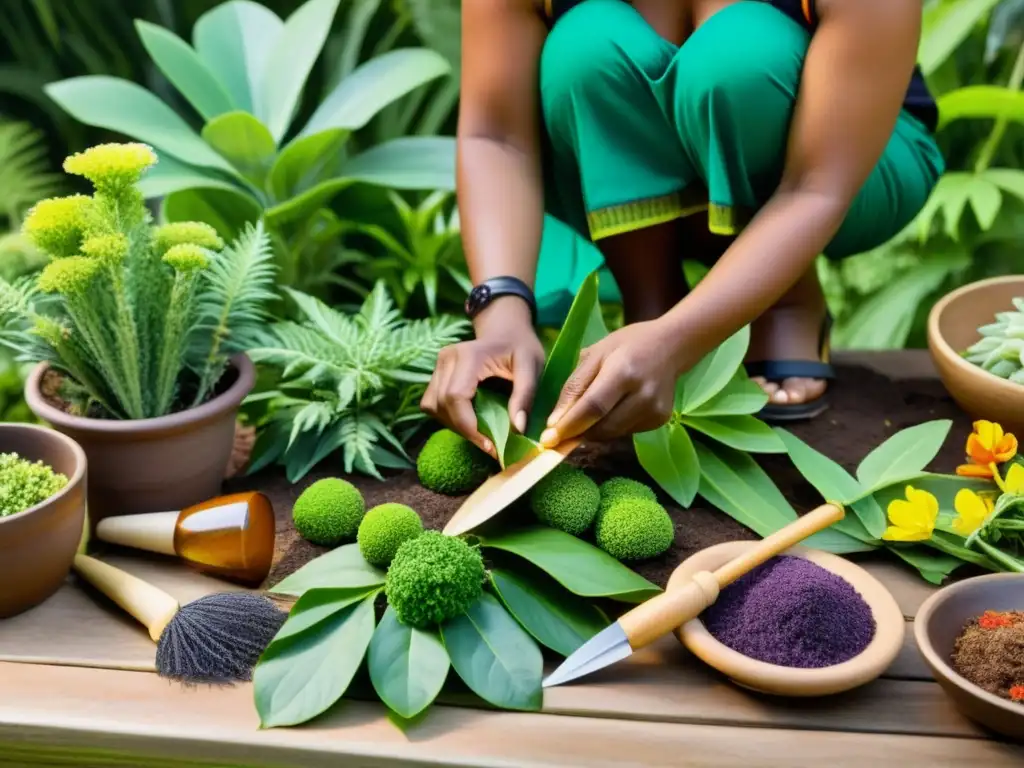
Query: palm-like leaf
[[25, 177]]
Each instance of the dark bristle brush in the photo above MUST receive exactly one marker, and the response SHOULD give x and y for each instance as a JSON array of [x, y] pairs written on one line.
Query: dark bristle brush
[[215, 640]]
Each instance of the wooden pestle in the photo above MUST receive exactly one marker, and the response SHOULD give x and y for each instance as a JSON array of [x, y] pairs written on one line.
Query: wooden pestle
[[662, 614]]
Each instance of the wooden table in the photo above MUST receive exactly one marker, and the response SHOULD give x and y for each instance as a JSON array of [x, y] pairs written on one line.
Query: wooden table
[[661, 708]]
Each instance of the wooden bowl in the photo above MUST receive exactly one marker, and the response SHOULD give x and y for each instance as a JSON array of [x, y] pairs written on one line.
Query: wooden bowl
[[790, 681], [952, 327], [940, 621]]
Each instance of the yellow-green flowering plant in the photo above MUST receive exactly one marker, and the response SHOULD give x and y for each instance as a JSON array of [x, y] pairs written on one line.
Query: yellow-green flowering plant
[[140, 319]]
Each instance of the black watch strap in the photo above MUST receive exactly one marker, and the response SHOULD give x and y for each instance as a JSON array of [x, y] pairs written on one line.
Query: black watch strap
[[483, 294]]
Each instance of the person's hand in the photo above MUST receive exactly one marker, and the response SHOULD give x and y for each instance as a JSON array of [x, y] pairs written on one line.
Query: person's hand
[[624, 384], [506, 347]]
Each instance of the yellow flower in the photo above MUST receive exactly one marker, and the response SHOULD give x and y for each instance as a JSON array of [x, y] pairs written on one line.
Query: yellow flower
[[988, 444], [913, 518], [186, 233], [71, 276], [971, 510], [108, 249], [1014, 482], [187, 258], [56, 225], [112, 167]]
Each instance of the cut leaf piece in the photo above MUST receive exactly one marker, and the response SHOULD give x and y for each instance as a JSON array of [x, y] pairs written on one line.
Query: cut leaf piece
[[407, 666], [316, 605], [554, 616], [580, 567], [494, 656], [343, 567], [744, 433], [668, 456], [902, 456]]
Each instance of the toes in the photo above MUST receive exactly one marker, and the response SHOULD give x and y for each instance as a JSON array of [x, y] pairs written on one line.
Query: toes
[[803, 390], [769, 387]]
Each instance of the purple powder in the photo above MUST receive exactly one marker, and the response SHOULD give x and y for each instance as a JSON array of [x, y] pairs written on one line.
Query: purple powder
[[793, 613]]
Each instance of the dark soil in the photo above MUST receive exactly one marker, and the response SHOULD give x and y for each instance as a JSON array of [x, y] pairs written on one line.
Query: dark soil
[[866, 409]]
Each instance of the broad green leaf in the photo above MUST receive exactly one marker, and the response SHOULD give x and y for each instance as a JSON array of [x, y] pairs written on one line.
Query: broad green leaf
[[374, 85], [564, 356], [744, 433], [933, 566], [554, 616], [945, 25], [245, 142], [494, 656], [667, 455], [713, 372], [301, 678], [343, 567], [186, 71], [1009, 180], [580, 567], [902, 456], [740, 397], [407, 666], [833, 482], [981, 102], [837, 541], [302, 163], [317, 605], [234, 40], [172, 175], [226, 211], [493, 422], [733, 482], [127, 108], [596, 329], [986, 200], [291, 60], [414, 162]]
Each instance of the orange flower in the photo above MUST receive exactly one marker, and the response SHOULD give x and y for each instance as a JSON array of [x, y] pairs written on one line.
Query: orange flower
[[994, 620], [988, 444], [979, 471], [1017, 693]]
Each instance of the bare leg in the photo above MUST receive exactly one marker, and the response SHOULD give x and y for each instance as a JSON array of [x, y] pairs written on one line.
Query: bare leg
[[647, 269]]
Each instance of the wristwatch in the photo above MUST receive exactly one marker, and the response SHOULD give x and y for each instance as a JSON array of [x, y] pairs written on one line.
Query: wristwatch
[[483, 294]]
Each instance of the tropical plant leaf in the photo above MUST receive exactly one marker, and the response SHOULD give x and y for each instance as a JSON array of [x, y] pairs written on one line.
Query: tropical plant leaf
[[740, 397], [317, 605], [946, 24], [668, 456], [414, 162], [302, 163], [903, 456], [934, 567], [744, 433], [245, 142], [981, 101], [25, 176], [494, 656], [581, 568], [713, 373], [171, 175], [407, 666], [341, 568]]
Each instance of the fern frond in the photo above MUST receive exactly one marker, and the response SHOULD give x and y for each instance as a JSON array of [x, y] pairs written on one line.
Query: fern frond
[[25, 177], [338, 328]]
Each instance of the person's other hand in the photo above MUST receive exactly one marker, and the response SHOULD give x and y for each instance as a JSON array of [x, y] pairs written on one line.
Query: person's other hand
[[624, 384], [505, 347]]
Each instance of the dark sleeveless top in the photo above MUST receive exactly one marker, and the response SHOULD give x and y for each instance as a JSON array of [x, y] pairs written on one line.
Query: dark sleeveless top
[[919, 102]]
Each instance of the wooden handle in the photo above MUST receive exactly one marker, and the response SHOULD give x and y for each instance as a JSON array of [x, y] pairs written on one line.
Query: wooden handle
[[781, 540], [153, 532], [662, 614], [153, 607]]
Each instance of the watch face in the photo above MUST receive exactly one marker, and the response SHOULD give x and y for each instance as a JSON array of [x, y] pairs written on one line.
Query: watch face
[[479, 297]]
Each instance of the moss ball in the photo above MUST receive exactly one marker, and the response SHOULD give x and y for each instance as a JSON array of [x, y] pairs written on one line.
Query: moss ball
[[433, 578], [635, 529], [619, 488], [384, 529], [452, 465], [566, 499], [329, 512]]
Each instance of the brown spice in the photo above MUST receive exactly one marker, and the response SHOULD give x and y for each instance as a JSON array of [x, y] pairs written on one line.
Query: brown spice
[[990, 653]]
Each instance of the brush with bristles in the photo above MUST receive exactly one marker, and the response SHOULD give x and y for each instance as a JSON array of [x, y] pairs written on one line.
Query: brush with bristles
[[216, 639]]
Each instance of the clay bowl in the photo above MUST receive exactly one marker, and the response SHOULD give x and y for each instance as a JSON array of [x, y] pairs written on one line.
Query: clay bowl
[[952, 327], [789, 681], [936, 627], [38, 544]]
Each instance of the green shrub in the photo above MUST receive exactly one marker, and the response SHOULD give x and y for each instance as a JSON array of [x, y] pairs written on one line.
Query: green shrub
[[450, 464], [329, 512], [566, 499], [384, 529], [619, 488], [23, 483], [635, 529]]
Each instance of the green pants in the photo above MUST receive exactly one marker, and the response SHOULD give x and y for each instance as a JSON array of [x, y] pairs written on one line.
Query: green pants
[[640, 132]]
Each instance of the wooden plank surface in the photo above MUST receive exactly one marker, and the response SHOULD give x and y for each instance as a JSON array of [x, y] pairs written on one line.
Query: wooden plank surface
[[125, 714]]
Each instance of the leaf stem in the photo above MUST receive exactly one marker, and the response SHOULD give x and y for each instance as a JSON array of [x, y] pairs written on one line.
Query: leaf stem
[[988, 150]]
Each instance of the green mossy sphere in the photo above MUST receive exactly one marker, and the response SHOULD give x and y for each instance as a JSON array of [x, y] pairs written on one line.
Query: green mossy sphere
[[433, 578], [452, 465], [384, 529], [619, 488], [566, 499], [329, 512], [635, 529]]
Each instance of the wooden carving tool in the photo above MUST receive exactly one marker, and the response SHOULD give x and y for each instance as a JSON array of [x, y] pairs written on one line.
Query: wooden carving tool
[[662, 614]]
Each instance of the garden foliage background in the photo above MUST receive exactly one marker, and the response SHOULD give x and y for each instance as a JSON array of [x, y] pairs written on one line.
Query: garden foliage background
[[402, 229]]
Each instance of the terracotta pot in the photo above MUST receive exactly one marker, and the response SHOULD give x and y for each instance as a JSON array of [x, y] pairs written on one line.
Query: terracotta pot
[[939, 622], [38, 545], [953, 327], [153, 465]]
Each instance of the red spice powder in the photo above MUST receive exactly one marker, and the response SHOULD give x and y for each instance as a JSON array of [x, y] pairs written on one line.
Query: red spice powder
[[994, 620], [1017, 693]]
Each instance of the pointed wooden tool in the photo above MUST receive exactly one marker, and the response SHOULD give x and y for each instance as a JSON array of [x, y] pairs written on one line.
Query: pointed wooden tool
[[662, 614], [500, 490]]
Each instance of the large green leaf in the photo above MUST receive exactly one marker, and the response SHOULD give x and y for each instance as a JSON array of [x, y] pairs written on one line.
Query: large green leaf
[[744, 433], [902, 456], [493, 422], [373, 86], [226, 211], [945, 25], [933, 566], [343, 567], [407, 666], [580, 567], [234, 40], [711, 375], [182, 66], [127, 108], [740, 397], [668, 456], [245, 142], [291, 60], [298, 679], [556, 617], [318, 605], [981, 102], [564, 356], [494, 656], [302, 163], [415, 162], [172, 175]]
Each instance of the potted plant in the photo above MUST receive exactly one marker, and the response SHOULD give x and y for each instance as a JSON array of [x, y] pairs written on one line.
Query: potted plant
[[138, 332]]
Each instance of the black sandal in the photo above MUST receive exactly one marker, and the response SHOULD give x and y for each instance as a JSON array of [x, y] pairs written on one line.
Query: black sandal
[[777, 371]]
